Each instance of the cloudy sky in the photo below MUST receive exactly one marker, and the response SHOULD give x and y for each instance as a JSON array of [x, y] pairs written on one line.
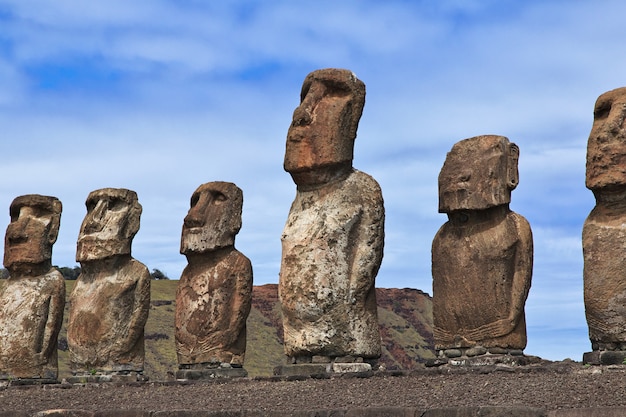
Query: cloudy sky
[[161, 96]]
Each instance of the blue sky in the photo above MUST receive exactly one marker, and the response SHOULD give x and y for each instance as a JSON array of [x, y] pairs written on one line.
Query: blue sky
[[162, 96]]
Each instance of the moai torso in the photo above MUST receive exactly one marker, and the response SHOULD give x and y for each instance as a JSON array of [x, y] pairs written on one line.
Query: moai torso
[[111, 298], [31, 314], [482, 257], [213, 301], [604, 231], [33, 297], [478, 290], [214, 294], [332, 244], [108, 310]]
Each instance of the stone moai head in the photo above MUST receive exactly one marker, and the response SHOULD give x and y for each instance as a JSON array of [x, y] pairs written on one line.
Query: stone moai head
[[111, 222], [606, 148], [478, 173], [214, 218], [320, 140], [34, 227]]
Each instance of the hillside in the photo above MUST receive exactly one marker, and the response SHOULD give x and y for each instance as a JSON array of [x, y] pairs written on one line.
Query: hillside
[[405, 317]]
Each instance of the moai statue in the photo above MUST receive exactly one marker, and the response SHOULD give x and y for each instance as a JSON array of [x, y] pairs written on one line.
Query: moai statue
[[604, 232], [332, 243], [482, 256], [111, 298], [33, 297], [214, 294]]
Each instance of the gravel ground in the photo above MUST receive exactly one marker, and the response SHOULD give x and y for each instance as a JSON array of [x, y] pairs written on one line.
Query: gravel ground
[[549, 385]]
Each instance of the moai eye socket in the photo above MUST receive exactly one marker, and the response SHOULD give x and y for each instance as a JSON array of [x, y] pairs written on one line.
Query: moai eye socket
[[218, 197], [602, 110], [116, 204], [194, 199]]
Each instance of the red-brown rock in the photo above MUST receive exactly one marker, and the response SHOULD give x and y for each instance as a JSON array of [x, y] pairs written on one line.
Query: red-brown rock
[[332, 243], [214, 293], [33, 298], [111, 299], [482, 257]]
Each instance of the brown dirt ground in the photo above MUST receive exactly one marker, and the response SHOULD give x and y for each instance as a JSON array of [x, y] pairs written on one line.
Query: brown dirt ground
[[549, 385]]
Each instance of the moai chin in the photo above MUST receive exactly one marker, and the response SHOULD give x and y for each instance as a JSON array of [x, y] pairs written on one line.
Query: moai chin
[[214, 294], [482, 257], [604, 231], [332, 243], [111, 298], [33, 297]]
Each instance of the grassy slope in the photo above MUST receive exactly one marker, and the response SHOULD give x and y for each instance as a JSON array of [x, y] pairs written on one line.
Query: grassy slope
[[405, 317]]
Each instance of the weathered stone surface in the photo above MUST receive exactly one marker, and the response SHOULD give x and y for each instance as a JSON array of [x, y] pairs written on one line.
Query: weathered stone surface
[[604, 231], [111, 298], [332, 243], [476, 351], [339, 367], [210, 373], [33, 298], [605, 357], [482, 257], [214, 294]]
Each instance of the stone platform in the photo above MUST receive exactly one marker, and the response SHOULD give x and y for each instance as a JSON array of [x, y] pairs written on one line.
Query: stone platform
[[322, 366], [605, 357], [482, 357], [97, 377], [199, 372]]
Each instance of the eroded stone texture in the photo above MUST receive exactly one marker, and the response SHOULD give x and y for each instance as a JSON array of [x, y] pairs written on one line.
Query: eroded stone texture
[[604, 231], [33, 297], [482, 257], [111, 298], [332, 243], [214, 294]]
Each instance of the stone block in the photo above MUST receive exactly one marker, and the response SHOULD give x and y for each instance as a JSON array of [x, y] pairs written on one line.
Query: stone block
[[306, 369], [212, 373], [351, 367]]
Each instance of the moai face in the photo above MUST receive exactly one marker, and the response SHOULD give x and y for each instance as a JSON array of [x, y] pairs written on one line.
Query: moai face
[[34, 227], [111, 222], [606, 148], [320, 140], [478, 173], [214, 218]]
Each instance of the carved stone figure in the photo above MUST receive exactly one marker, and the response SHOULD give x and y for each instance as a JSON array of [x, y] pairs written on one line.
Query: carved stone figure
[[214, 293], [332, 243], [33, 297], [111, 298], [482, 257], [604, 232]]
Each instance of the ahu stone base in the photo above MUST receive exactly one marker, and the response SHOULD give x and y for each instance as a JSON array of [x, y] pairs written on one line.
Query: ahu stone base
[[323, 366], [605, 357], [97, 377], [11, 382], [478, 356], [204, 372]]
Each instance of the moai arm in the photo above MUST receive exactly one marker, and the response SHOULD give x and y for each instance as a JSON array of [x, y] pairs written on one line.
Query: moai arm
[[242, 300], [368, 241], [56, 304], [140, 308]]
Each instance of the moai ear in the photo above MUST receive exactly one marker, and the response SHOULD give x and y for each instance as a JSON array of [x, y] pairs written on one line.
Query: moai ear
[[55, 219], [512, 174]]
